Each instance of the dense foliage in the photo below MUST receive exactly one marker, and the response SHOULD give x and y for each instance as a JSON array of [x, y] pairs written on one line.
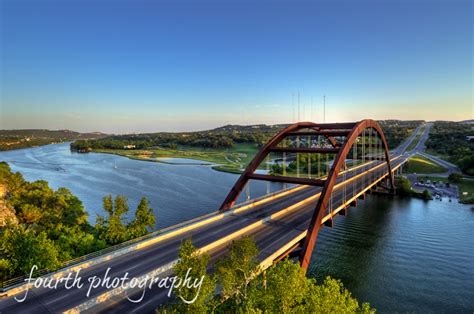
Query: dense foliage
[[14, 139], [113, 228], [403, 188], [225, 137], [455, 177], [243, 288], [48, 227], [396, 131], [190, 260], [450, 139]]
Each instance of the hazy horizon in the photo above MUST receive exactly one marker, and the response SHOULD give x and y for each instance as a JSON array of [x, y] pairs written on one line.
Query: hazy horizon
[[152, 66], [200, 130]]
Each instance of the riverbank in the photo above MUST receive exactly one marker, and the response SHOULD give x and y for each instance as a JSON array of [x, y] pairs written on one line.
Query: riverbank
[[465, 187], [30, 138], [231, 160], [387, 250]]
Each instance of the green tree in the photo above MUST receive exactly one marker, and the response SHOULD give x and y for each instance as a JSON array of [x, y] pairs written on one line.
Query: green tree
[[466, 163], [73, 212], [74, 242], [29, 214], [426, 195], [237, 269], [112, 228], [331, 297], [193, 264], [50, 226], [280, 289], [23, 249], [276, 169], [283, 288], [6, 269], [144, 220], [455, 177], [403, 186]]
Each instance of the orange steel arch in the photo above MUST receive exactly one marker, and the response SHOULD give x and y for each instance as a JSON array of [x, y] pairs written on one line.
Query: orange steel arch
[[320, 210], [272, 143], [351, 131]]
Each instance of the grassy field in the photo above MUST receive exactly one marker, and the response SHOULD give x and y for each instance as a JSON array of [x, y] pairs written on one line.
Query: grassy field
[[416, 139], [467, 185], [419, 164], [227, 160]]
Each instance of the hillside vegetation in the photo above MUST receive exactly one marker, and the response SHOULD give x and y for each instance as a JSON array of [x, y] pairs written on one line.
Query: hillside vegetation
[[15, 139], [231, 147], [450, 141], [237, 284], [224, 137], [47, 227]]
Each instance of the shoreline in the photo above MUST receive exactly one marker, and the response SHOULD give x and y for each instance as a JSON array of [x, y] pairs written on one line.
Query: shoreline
[[201, 162]]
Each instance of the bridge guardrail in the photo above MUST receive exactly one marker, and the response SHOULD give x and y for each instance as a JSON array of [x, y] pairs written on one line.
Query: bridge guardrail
[[17, 281]]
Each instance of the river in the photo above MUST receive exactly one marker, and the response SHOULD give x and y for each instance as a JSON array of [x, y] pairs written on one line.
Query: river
[[398, 254], [175, 192]]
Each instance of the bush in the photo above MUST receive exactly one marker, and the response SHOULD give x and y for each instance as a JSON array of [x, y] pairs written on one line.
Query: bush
[[426, 195], [455, 177], [282, 288]]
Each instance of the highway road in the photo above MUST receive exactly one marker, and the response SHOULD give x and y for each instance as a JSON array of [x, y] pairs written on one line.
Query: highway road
[[420, 146], [270, 236], [403, 147], [420, 149]]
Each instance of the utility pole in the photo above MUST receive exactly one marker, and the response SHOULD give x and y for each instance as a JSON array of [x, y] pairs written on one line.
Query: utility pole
[[299, 117], [324, 108], [304, 112], [293, 106]]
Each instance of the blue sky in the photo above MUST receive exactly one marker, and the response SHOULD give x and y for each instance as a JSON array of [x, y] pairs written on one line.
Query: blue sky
[[134, 66]]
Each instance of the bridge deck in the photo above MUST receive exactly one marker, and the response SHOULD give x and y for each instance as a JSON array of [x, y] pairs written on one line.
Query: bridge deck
[[269, 235]]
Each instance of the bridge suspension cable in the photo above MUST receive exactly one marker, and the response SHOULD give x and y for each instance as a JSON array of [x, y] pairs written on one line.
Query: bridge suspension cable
[[268, 170], [364, 139]]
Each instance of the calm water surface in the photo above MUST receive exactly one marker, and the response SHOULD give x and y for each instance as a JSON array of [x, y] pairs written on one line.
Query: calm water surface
[[175, 192], [402, 254], [398, 254]]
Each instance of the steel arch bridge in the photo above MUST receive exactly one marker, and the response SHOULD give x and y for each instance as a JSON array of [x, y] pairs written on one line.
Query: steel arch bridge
[[345, 146]]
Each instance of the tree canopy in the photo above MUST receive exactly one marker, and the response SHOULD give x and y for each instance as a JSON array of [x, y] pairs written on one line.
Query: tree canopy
[[49, 227], [238, 285]]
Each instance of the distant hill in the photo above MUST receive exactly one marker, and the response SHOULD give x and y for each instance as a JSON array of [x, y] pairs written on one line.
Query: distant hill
[[14, 139], [241, 128], [222, 137], [467, 122]]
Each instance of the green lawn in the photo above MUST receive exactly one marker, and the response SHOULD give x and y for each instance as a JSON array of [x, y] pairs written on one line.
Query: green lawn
[[466, 185], [419, 164], [228, 160]]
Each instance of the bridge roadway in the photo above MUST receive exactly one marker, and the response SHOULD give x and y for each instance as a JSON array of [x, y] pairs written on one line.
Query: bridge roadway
[[269, 236]]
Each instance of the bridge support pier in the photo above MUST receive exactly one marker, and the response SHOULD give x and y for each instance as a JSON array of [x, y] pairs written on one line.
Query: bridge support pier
[[344, 211], [329, 223]]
